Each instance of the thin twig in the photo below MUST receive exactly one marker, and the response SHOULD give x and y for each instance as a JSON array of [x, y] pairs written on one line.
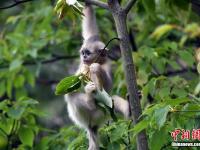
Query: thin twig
[[176, 72], [129, 5], [15, 4], [115, 38], [54, 59], [97, 3]]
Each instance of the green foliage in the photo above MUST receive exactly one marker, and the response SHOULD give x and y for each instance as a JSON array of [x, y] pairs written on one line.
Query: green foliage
[[18, 122], [67, 7]]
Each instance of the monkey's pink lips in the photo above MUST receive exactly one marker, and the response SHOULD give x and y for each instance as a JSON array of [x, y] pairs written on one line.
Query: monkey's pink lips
[[86, 61]]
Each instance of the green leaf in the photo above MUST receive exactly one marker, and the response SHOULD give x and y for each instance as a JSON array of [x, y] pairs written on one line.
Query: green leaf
[[180, 92], [161, 115], [142, 77], [3, 140], [162, 135], [198, 67], [16, 63], [187, 57], [174, 102], [140, 126], [119, 131], [2, 88], [19, 81], [103, 97], [193, 29], [67, 85], [16, 113], [43, 144], [26, 136], [30, 78], [25, 101], [191, 110], [9, 87], [114, 146], [164, 92], [162, 30], [59, 4], [7, 125], [197, 89], [77, 10], [77, 143]]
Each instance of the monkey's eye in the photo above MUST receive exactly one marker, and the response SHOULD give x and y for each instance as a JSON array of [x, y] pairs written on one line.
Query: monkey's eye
[[99, 50], [87, 52]]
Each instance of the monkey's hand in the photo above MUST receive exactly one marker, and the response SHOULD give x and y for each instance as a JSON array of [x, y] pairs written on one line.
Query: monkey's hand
[[90, 88], [95, 74], [83, 69]]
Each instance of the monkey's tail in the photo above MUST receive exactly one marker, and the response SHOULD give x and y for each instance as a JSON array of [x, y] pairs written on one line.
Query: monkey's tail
[[93, 138]]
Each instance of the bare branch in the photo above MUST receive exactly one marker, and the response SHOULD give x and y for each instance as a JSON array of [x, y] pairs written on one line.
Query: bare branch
[[177, 72], [129, 5], [16, 2], [52, 60], [46, 81], [97, 3]]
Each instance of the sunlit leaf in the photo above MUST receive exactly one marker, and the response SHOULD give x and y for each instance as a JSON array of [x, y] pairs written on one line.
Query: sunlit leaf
[[197, 89], [26, 136], [16, 63], [198, 67], [162, 30], [67, 85]]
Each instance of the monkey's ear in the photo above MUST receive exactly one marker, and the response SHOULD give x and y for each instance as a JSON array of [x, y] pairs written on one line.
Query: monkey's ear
[[103, 52], [114, 53]]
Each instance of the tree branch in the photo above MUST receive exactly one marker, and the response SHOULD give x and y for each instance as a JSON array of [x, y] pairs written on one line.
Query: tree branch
[[129, 5], [97, 3], [16, 2], [120, 17], [182, 71], [54, 59]]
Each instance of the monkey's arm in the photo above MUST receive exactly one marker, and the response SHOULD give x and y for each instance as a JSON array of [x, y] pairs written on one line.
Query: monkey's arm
[[89, 26], [101, 76]]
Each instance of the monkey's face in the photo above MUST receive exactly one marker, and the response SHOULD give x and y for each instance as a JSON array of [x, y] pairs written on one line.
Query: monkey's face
[[92, 53]]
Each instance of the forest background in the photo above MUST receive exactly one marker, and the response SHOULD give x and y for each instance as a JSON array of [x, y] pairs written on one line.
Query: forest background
[[37, 50]]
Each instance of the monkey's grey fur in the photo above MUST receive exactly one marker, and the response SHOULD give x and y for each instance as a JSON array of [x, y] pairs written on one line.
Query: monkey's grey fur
[[82, 107]]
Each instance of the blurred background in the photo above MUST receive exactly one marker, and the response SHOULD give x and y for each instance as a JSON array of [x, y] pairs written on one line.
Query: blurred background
[[37, 50]]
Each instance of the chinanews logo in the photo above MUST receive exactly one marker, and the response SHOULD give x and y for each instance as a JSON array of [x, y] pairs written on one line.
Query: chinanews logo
[[182, 137]]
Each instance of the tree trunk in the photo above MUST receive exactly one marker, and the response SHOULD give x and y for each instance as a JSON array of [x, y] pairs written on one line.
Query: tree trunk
[[120, 16]]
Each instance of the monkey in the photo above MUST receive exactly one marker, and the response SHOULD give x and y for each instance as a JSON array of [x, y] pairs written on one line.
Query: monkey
[[82, 107]]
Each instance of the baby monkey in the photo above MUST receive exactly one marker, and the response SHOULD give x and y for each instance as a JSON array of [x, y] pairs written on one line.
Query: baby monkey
[[82, 107]]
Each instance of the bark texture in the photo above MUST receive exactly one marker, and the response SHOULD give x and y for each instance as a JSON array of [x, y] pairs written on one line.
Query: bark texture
[[120, 16]]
